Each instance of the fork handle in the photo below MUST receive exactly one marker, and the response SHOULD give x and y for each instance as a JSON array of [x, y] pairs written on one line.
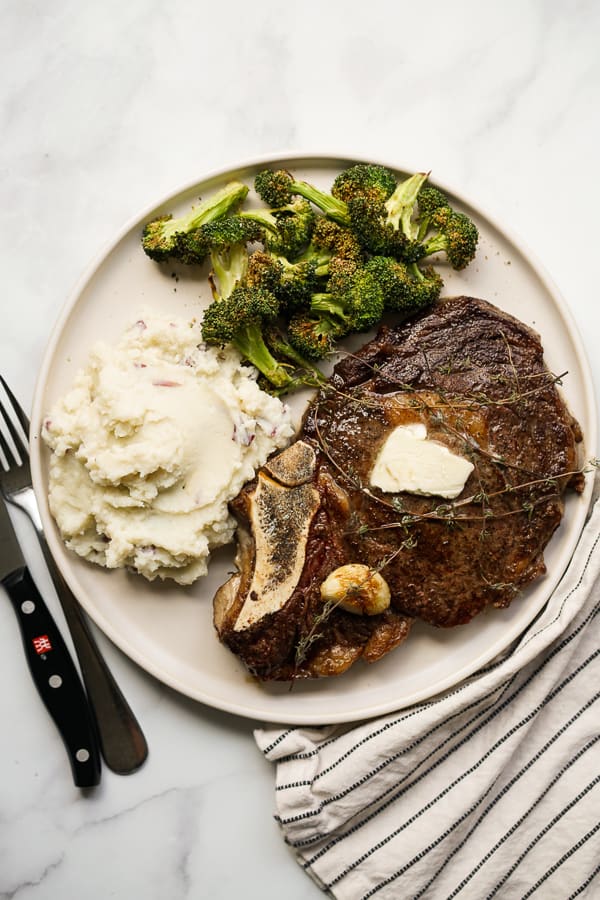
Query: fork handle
[[122, 741]]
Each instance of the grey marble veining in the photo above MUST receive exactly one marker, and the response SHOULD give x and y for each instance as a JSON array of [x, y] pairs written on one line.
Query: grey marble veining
[[105, 108]]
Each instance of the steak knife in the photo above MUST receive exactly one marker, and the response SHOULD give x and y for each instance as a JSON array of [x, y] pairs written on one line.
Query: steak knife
[[52, 669]]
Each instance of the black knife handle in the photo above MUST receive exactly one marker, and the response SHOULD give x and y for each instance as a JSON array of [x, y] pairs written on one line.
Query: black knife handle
[[55, 677]]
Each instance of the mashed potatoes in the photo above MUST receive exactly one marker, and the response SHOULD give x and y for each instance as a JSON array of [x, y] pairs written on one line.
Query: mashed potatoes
[[155, 437]]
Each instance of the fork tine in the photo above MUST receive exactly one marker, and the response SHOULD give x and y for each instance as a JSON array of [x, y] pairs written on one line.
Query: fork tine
[[20, 445], [17, 408], [5, 451]]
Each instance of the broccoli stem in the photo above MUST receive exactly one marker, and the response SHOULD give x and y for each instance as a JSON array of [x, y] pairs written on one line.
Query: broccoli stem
[[283, 348], [325, 303], [262, 217], [335, 209], [416, 272], [401, 204], [208, 210], [229, 264], [436, 243], [249, 342]]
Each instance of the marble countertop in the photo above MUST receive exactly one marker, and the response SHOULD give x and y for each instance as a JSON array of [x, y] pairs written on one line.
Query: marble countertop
[[108, 107]]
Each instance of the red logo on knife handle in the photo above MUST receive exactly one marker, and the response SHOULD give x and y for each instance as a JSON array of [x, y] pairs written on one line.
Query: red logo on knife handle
[[42, 644]]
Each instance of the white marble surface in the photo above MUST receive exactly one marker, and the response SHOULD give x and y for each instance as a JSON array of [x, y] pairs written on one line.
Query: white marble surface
[[108, 106]]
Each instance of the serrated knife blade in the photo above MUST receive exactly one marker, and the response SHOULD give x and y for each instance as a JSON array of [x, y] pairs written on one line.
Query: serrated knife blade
[[50, 664]]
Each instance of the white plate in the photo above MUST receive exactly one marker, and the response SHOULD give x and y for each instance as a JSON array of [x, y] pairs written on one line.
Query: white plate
[[168, 630]]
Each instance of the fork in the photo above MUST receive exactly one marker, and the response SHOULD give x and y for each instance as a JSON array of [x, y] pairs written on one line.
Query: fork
[[122, 741]]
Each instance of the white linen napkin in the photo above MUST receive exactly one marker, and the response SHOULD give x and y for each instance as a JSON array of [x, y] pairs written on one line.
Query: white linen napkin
[[489, 790]]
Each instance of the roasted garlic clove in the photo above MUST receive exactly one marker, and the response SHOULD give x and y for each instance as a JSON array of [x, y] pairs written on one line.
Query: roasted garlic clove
[[357, 589]]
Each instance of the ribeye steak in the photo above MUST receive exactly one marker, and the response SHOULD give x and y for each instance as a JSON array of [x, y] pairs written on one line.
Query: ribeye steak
[[476, 379]]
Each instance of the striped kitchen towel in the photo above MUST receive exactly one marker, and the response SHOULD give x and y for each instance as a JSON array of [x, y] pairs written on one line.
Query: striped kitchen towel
[[490, 790]]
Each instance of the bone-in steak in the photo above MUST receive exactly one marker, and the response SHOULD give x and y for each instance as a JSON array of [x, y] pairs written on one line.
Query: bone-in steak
[[476, 379]]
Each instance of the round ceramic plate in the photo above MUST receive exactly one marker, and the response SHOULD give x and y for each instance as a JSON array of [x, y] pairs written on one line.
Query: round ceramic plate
[[167, 629]]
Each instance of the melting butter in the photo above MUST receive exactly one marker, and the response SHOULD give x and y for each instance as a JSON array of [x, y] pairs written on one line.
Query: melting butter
[[409, 461]]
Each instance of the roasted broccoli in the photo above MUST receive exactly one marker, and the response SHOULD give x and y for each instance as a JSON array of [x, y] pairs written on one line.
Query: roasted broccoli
[[314, 334], [353, 298], [287, 229], [400, 206], [244, 313], [428, 284], [314, 278], [379, 218], [162, 237], [406, 289], [239, 312], [264, 270], [222, 233], [292, 283], [229, 266], [400, 226], [429, 200], [457, 236], [240, 320], [453, 232], [364, 180], [299, 281], [282, 347], [336, 241], [277, 189]]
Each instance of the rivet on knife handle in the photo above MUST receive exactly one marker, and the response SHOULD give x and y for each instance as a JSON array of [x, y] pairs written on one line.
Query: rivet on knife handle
[[55, 677]]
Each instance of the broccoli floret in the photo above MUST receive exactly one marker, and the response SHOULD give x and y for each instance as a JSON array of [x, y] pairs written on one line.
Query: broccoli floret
[[457, 237], [221, 233], [383, 226], [240, 320], [406, 288], [295, 222], [336, 241], [394, 280], [298, 282], [282, 347], [428, 284], [313, 334], [372, 231], [287, 230], [264, 271], [226, 316], [162, 237], [454, 233], [244, 312], [354, 298], [429, 200], [364, 180], [278, 188], [292, 283]]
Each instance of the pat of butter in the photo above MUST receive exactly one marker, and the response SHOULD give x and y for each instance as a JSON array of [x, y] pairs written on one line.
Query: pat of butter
[[409, 461]]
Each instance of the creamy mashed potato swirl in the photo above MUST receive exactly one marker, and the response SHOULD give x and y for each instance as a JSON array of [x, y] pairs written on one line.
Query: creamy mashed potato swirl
[[155, 437]]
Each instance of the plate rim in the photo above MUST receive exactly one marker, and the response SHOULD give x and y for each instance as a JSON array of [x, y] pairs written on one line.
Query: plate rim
[[296, 158]]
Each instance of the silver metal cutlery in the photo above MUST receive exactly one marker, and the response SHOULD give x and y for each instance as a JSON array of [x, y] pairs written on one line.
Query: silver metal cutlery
[[122, 741]]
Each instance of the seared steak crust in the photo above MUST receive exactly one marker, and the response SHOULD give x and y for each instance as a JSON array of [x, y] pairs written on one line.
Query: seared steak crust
[[475, 377]]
